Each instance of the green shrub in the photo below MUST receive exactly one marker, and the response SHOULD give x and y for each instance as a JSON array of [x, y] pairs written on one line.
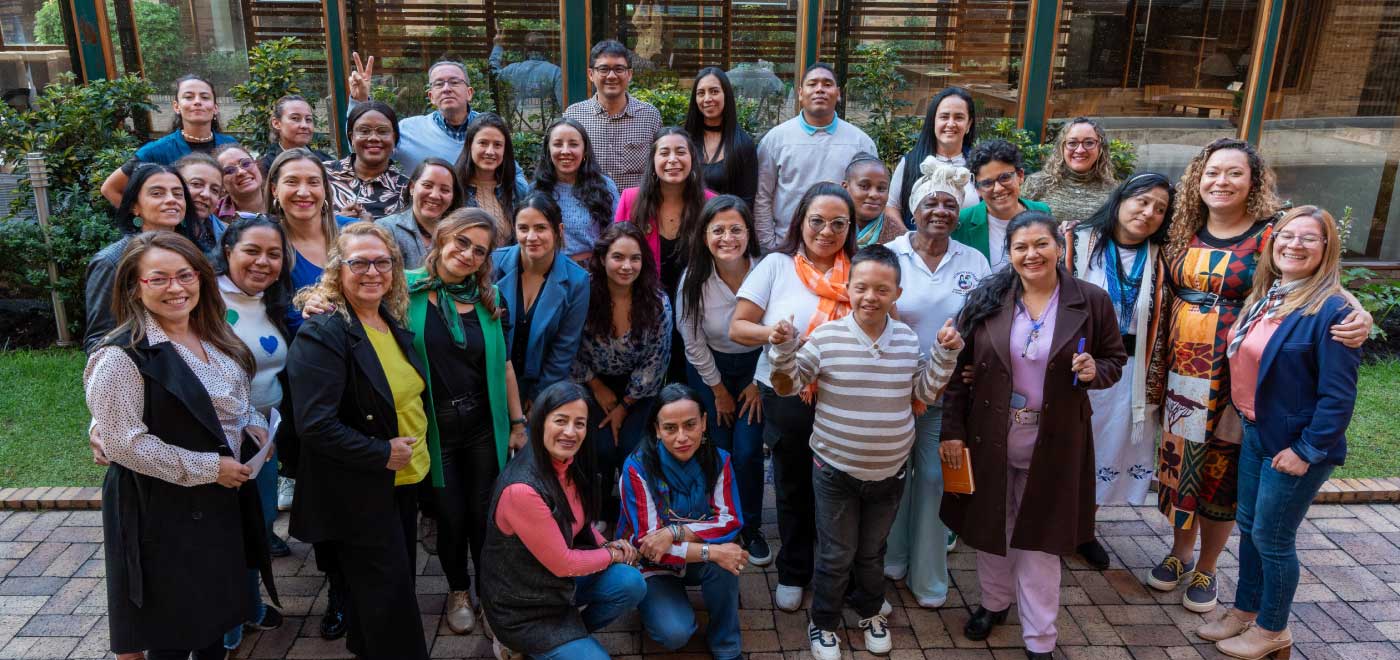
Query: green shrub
[[875, 81], [158, 29], [1378, 295], [78, 228], [527, 146], [670, 100], [272, 74]]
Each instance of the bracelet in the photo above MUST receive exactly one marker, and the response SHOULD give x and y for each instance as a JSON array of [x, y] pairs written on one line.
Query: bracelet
[[705, 552], [675, 532], [518, 420]]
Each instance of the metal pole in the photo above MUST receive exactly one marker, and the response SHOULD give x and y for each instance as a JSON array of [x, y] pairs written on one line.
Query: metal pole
[[39, 180]]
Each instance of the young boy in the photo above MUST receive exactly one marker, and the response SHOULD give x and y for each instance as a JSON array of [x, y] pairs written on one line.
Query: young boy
[[867, 370]]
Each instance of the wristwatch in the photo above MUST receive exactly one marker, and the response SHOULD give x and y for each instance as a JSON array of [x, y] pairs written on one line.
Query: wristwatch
[[705, 552]]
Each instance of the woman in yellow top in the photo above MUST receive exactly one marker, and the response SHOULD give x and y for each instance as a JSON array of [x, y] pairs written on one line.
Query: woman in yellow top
[[359, 398]]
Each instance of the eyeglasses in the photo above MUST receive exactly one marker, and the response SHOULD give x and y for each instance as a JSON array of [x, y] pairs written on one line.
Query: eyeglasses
[[381, 132], [837, 226], [242, 164], [1004, 179], [361, 266], [463, 243], [450, 82], [1308, 240], [185, 278], [732, 232], [606, 71], [1087, 145]]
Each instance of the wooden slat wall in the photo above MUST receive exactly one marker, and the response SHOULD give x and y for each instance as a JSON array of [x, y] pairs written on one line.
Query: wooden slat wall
[[265, 20], [687, 35], [974, 38]]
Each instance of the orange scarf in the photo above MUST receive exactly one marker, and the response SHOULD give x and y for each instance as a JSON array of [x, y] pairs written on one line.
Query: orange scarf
[[834, 303]]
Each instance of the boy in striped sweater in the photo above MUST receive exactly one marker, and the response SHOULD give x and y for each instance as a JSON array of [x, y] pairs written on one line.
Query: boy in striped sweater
[[867, 371]]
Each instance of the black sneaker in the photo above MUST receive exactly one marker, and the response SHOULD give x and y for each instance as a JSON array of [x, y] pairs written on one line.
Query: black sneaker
[[271, 619], [1094, 554], [277, 547], [759, 552], [979, 625]]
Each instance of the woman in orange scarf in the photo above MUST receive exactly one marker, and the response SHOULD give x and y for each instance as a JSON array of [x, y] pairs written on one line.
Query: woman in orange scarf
[[804, 282]]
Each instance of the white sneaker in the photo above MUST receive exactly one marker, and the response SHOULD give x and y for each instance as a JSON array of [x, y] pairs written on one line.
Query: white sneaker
[[459, 615], [877, 634], [285, 488], [825, 646], [932, 603], [787, 599]]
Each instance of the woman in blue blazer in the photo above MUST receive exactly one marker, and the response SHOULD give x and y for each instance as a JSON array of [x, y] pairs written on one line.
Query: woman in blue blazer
[[1294, 388], [546, 294]]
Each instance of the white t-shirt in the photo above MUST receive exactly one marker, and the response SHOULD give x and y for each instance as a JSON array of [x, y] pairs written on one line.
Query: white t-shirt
[[996, 241], [932, 297], [712, 336], [773, 285]]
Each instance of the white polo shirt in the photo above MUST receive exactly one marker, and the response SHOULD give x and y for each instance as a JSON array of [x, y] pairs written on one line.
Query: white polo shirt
[[932, 297]]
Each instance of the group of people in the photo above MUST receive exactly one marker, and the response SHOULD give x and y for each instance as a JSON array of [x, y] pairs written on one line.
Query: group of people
[[577, 377]]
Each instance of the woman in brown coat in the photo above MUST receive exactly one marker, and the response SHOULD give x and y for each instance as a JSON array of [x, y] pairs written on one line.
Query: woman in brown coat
[[1038, 339]]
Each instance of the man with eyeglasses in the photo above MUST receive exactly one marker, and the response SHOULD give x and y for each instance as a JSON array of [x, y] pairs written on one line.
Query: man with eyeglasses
[[440, 133], [812, 147], [620, 126]]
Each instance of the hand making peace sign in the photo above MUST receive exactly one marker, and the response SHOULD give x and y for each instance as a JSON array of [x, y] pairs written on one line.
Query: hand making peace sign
[[360, 76]]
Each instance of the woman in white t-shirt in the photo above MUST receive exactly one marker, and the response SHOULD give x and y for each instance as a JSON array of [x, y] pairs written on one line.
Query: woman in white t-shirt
[[803, 282]]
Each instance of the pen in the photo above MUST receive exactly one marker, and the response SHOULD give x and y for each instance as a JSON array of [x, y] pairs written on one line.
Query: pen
[[1081, 350]]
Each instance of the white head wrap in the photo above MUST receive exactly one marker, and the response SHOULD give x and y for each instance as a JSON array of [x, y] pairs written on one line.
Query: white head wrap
[[939, 176]]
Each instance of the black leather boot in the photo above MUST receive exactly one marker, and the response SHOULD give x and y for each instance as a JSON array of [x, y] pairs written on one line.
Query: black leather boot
[[980, 625], [333, 623]]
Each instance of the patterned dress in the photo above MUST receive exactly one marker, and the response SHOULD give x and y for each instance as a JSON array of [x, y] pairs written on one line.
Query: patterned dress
[[1198, 460]]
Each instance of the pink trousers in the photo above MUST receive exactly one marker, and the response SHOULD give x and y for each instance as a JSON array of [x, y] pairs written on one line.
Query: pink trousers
[[1027, 577]]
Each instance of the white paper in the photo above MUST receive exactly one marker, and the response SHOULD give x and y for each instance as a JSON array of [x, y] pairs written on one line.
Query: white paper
[[256, 462]]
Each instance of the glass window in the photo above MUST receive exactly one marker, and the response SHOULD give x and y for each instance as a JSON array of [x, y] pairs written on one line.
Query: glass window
[[1166, 76], [1332, 122], [33, 51]]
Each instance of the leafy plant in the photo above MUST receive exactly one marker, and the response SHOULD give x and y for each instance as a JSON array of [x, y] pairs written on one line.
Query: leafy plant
[[1378, 295], [1124, 156], [527, 146], [272, 74], [159, 31], [876, 82], [669, 99], [78, 228], [1004, 128]]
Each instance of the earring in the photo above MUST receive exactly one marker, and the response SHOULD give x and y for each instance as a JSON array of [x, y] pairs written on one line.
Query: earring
[[136, 221]]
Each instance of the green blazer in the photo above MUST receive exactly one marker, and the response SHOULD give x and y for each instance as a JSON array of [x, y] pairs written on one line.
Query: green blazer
[[972, 224]]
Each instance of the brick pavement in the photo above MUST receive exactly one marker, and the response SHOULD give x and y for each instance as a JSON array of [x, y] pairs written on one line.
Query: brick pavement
[[53, 599]]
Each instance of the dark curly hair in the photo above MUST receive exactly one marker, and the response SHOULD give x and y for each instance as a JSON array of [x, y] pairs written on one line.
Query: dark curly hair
[[989, 296], [647, 307], [590, 185], [995, 151]]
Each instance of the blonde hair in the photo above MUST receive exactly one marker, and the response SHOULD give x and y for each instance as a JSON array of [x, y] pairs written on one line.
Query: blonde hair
[[1055, 166], [329, 226], [1191, 212], [207, 319], [455, 223], [329, 289], [1324, 283]]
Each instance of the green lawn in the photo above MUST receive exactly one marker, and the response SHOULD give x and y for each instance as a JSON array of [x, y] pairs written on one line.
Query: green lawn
[[43, 422]]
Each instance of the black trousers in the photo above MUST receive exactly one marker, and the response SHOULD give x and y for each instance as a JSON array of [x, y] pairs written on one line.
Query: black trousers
[[377, 570], [214, 651], [787, 430], [469, 469]]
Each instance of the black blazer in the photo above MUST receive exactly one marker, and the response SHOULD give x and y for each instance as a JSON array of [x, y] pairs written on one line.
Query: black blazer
[[344, 415]]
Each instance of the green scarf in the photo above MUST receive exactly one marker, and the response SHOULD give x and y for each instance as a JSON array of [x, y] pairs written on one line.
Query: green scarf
[[419, 284], [462, 292], [867, 237]]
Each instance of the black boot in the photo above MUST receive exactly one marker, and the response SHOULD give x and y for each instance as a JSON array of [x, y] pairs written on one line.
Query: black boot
[[1094, 554], [1032, 655], [333, 621], [980, 625]]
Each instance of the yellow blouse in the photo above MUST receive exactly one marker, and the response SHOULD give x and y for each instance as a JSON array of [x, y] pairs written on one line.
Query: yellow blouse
[[407, 387]]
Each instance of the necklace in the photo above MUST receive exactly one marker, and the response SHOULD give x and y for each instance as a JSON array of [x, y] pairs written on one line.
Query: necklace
[[192, 139]]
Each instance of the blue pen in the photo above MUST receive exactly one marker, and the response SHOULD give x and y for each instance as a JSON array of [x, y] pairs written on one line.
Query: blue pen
[[1081, 350]]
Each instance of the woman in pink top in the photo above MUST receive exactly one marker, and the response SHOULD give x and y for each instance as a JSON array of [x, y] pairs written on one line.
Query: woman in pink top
[[550, 559], [669, 199]]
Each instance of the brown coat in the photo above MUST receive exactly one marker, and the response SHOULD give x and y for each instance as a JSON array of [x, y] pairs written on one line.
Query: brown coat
[[1057, 508]]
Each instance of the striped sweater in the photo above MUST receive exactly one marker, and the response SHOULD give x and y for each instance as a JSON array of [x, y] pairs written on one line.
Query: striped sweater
[[641, 514], [864, 414]]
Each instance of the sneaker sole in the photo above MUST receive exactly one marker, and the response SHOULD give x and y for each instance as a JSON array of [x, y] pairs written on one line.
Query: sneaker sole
[[1162, 585], [754, 561], [874, 651], [1199, 608]]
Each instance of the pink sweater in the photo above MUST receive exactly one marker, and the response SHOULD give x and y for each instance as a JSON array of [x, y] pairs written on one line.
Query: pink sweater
[[624, 214], [522, 512]]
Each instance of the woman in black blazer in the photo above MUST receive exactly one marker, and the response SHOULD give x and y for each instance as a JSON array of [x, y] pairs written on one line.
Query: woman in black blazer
[[358, 400]]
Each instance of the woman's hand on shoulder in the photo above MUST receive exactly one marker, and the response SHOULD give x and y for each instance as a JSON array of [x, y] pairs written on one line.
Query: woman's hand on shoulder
[[316, 304], [1354, 329]]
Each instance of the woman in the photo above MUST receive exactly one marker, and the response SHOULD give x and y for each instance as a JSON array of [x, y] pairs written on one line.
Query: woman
[[950, 130], [546, 296], [936, 275], [1227, 201], [868, 181], [668, 202], [254, 283], [298, 198], [1295, 389], [168, 390], [194, 128], [204, 179], [723, 249], [474, 414], [155, 199], [1060, 332], [626, 344], [728, 154], [1078, 175], [486, 168], [805, 279], [568, 173], [293, 125], [1117, 249], [367, 184], [432, 193], [678, 510], [360, 400], [997, 172], [541, 525], [244, 184]]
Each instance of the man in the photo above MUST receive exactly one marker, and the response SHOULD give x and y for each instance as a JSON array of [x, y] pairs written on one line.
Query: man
[[620, 127], [441, 132], [811, 147], [535, 79]]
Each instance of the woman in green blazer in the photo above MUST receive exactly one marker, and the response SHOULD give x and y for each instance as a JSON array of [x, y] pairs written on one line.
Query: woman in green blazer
[[998, 172]]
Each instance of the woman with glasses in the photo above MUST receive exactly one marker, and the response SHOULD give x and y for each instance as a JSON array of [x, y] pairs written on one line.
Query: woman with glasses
[[486, 168], [360, 399], [244, 192], [367, 184], [204, 179], [998, 172], [1078, 174]]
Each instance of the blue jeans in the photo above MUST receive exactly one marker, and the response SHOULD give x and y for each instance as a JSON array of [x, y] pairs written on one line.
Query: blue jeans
[[1271, 507], [918, 543], [604, 597], [743, 441], [669, 618]]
